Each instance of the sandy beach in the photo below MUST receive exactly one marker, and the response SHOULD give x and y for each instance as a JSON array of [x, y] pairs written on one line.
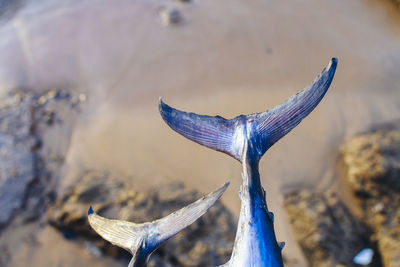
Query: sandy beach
[[226, 58]]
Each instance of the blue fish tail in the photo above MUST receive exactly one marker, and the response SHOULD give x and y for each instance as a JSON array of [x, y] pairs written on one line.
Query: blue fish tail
[[261, 129]]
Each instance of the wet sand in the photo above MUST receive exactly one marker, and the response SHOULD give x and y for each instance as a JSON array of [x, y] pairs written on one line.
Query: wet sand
[[226, 58]]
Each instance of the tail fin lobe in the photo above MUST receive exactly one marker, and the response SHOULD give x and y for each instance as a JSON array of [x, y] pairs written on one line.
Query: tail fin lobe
[[177, 221], [123, 234], [273, 124], [213, 132]]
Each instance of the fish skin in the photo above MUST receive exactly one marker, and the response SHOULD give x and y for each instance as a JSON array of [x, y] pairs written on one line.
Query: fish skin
[[255, 242], [247, 138], [141, 240]]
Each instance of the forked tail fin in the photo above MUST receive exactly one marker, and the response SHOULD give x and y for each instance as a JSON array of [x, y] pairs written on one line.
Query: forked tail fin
[[261, 129], [142, 239]]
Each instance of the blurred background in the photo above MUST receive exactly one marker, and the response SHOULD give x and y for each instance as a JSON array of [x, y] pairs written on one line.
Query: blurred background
[[79, 89]]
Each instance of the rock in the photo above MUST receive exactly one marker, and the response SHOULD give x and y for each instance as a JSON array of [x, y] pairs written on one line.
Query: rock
[[372, 163], [207, 242], [325, 229], [26, 160], [16, 158], [34, 135], [170, 15], [16, 173], [53, 114], [364, 257], [389, 241]]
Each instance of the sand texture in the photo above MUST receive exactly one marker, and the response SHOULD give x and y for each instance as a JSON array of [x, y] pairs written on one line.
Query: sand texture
[[210, 57]]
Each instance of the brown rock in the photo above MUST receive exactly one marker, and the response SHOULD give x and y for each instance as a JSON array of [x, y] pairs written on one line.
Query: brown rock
[[326, 231], [373, 171]]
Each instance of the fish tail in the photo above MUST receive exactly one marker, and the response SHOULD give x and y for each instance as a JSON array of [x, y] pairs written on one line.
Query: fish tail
[[142, 239], [261, 130]]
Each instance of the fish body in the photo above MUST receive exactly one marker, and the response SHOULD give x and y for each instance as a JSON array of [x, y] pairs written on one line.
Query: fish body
[[255, 243]]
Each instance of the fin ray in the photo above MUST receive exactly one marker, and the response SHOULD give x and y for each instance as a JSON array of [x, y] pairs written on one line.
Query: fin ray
[[276, 123], [175, 222], [123, 234], [213, 132]]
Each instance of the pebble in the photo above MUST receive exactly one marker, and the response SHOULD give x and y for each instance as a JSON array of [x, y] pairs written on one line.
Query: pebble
[[170, 16], [364, 257]]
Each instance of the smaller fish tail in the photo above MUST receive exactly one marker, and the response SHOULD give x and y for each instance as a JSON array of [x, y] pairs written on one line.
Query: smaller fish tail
[[142, 239]]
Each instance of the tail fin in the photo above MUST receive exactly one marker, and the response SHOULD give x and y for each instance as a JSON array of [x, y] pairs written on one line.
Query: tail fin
[[266, 128], [142, 239]]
